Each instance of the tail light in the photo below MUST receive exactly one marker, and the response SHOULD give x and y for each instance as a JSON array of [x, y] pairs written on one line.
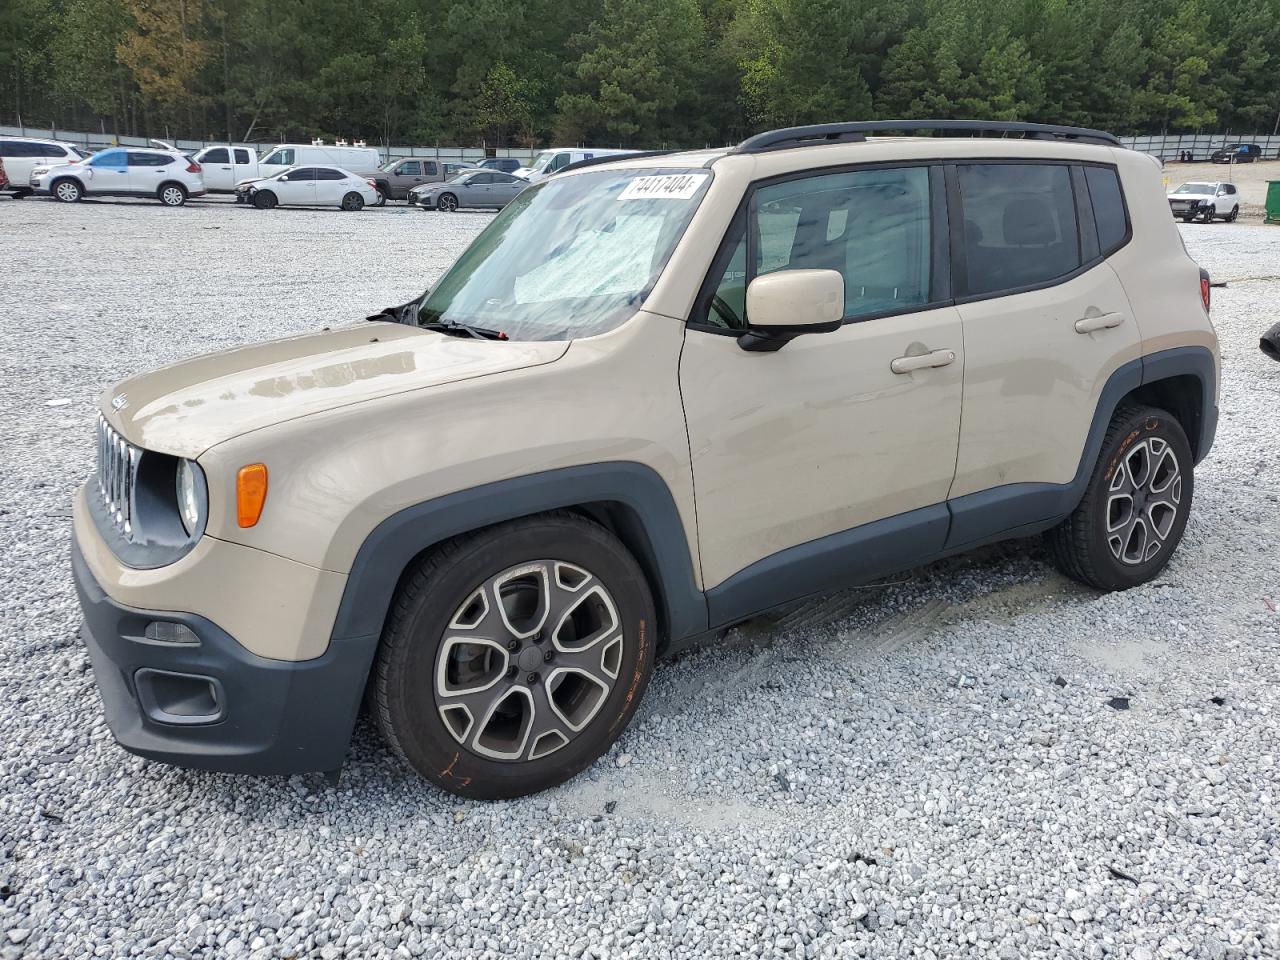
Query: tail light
[[1204, 288], [194, 167]]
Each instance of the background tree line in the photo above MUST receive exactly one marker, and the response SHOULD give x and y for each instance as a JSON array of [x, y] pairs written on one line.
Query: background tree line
[[629, 72]]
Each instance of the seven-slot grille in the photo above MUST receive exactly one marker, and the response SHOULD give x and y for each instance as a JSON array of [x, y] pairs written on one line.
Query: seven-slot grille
[[117, 472]]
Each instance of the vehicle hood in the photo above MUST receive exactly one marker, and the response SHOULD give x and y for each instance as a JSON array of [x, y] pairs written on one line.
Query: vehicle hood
[[249, 180], [186, 408]]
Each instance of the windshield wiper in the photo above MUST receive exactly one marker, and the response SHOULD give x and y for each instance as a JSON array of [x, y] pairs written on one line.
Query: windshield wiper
[[456, 329]]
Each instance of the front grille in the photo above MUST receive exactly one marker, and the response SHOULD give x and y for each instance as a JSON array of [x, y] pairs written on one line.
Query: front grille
[[117, 476]]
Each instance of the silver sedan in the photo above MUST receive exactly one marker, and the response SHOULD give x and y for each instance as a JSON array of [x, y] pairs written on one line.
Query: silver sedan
[[487, 189]]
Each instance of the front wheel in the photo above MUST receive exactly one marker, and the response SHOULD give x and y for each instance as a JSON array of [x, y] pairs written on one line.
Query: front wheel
[[68, 191], [264, 199], [1206, 215], [353, 201], [513, 658], [1135, 507], [447, 202]]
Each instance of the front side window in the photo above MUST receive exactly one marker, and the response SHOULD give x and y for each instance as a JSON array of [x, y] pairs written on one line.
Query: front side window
[[1019, 225], [217, 155], [571, 257], [410, 169], [111, 159], [871, 226]]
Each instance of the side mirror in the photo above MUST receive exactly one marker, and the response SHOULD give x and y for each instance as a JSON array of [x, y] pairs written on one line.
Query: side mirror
[[784, 305]]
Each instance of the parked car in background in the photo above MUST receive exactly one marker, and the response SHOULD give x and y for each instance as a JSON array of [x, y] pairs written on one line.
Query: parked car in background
[[471, 188], [362, 160], [21, 155], [1205, 202], [310, 187], [1237, 153], [224, 167], [398, 177], [166, 175], [556, 159], [501, 164]]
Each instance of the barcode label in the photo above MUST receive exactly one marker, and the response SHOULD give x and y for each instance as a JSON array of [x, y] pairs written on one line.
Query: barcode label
[[674, 186]]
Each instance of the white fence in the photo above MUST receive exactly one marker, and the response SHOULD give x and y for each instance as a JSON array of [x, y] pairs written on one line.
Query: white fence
[[1199, 145], [96, 141]]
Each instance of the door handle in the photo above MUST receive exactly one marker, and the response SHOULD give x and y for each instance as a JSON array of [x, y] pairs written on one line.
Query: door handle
[[938, 358], [1103, 321]]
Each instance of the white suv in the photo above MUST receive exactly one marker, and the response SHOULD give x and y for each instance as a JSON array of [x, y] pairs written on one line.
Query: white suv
[[656, 396], [166, 175], [21, 155], [1205, 202]]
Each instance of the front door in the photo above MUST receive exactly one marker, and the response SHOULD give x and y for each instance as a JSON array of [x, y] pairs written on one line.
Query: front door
[[110, 170], [834, 431], [297, 186]]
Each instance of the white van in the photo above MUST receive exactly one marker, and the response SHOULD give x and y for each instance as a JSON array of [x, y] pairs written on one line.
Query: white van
[[557, 158], [363, 160]]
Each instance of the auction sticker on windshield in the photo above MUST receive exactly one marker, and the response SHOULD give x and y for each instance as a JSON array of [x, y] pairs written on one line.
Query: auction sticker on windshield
[[673, 186]]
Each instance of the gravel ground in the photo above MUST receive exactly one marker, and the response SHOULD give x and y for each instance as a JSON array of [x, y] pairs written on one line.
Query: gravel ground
[[936, 767]]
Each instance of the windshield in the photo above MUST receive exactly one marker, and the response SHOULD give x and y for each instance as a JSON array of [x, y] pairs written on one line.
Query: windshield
[[390, 163], [571, 257], [1195, 188], [461, 177], [541, 161]]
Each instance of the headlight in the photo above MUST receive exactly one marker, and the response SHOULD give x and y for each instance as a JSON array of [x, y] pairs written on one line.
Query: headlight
[[191, 497]]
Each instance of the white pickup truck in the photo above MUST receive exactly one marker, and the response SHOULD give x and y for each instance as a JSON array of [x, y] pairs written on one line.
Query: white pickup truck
[[225, 166]]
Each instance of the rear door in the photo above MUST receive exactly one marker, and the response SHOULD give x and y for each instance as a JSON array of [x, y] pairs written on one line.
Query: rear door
[[1046, 322], [146, 171], [331, 184]]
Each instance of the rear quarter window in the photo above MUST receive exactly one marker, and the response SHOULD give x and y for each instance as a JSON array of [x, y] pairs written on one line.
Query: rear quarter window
[[1109, 214]]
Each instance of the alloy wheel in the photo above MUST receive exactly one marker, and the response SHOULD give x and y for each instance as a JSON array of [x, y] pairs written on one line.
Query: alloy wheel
[[67, 192], [171, 197], [1144, 497], [528, 660]]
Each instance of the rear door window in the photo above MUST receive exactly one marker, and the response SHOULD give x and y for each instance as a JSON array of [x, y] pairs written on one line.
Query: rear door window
[[1108, 208], [1020, 226], [242, 156]]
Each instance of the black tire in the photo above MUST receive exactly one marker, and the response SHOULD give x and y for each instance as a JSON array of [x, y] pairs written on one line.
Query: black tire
[[1189, 219], [437, 591], [1207, 215], [67, 190], [1081, 546], [264, 200], [1231, 217], [384, 194], [21, 194], [172, 194], [353, 201], [447, 203]]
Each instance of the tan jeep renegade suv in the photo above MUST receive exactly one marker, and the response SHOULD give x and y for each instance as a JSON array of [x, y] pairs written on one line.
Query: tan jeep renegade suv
[[656, 395]]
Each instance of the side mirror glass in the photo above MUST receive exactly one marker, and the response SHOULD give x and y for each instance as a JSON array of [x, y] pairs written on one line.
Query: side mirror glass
[[784, 305]]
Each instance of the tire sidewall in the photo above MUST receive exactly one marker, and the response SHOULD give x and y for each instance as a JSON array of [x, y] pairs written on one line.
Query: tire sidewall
[[164, 188], [1136, 428], [420, 732], [57, 187], [264, 200]]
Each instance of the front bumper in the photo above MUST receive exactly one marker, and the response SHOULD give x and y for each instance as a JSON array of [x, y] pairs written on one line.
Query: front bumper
[[213, 705]]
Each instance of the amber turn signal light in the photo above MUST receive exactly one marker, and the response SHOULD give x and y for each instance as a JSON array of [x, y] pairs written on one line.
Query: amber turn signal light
[[251, 493]]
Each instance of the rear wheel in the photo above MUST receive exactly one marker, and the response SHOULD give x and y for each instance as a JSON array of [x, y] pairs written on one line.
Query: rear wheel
[[1135, 508], [172, 194], [1231, 217], [68, 191], [514, 657], [447, 202], [264, 200], [353, 201]]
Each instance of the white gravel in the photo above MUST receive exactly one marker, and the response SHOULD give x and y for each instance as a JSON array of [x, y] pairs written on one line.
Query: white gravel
[[926, 769]]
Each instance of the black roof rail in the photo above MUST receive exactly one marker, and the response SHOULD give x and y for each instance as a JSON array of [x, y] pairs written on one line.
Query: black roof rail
[[856, 132], [611, 157]]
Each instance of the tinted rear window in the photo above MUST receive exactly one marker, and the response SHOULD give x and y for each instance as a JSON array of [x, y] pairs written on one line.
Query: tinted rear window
[[1108, 207], [1019, 225]]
